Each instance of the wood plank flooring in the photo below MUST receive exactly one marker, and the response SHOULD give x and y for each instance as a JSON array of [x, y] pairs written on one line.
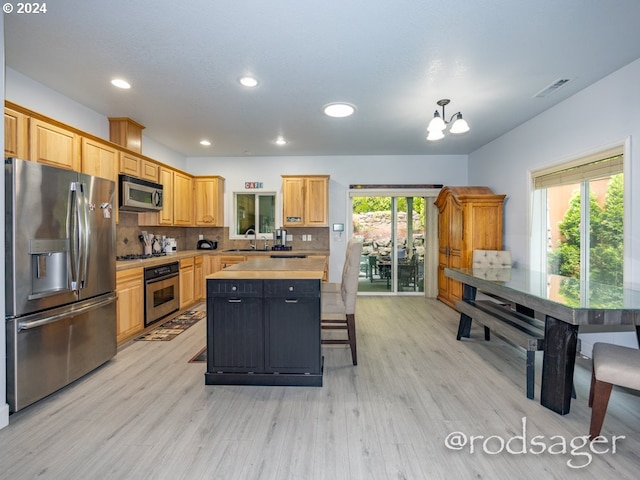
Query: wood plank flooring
[[147, 414]]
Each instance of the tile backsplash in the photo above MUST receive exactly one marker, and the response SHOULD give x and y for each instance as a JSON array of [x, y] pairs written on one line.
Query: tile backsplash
[[127, 232]]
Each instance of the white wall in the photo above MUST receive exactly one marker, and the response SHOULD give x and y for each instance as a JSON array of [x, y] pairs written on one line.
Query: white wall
[[35, 96], [4, 407], [344, 170], [602, 115]]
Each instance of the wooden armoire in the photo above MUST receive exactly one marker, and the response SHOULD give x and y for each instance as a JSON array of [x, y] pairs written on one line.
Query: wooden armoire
[[469, 218]]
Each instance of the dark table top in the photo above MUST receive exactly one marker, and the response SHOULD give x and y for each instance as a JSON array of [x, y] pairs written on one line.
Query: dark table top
[[568, 299]]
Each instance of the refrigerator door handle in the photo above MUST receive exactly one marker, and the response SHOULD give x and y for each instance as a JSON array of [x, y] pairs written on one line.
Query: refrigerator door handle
[[72, 234], [30, 324], [84, 234]]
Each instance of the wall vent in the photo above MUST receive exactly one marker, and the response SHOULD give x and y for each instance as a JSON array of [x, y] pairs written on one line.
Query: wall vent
[[554, 87]]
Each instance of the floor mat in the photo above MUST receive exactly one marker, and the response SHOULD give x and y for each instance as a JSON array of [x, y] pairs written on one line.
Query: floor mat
[[200, 357], [174, 327]]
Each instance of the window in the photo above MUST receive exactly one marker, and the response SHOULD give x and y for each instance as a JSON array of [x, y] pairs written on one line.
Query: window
[[578, 214], [254, 211]]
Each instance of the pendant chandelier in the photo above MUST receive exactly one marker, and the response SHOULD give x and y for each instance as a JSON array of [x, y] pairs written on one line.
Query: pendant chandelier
[[438, 124]]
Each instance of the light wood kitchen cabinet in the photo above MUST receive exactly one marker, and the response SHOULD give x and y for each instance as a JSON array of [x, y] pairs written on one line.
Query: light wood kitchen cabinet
[[16, 140], [130, 303], [227, 260], [100, 159], [305, 201], [212, 265], [469, 218], [182, 199], [209, 199], [149, 170], [129, 164], [164, 216], [187, 282], [198, 276], [53, 145], [139, 167]]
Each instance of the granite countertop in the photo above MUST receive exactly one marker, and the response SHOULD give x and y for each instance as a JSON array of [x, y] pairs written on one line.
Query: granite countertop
[[176, 257]]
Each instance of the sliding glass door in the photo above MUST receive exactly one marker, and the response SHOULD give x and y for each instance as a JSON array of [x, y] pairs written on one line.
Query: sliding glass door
[[392, 231]]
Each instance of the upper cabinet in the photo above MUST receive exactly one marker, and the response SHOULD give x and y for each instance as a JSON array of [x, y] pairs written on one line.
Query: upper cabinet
[[99, 159], [187, 200], [305, 200], [139, 167], [182, 199], [16, 140], [177, 200], [165, 216], [209, 199], [126, 132], [53, 145]]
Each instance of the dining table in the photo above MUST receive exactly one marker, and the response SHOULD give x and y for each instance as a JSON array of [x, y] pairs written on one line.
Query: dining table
[[565, 304]]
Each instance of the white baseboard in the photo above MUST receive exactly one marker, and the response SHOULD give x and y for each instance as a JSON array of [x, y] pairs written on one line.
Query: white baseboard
[[626, 339], [4, 415]]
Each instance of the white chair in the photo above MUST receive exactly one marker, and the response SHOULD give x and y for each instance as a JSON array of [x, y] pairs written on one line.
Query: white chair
[[338, 306], [612, 365], [491, 259], [494, 265]]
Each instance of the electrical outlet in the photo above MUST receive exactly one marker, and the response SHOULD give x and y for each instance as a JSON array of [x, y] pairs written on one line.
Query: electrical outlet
[[289, 238], [308, 238], [200, 237]]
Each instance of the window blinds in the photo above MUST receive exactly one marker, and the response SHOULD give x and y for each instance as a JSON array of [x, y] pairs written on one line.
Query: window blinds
[[601, 165]]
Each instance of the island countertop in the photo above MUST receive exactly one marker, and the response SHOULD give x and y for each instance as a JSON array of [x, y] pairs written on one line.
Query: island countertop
[[274, 268]]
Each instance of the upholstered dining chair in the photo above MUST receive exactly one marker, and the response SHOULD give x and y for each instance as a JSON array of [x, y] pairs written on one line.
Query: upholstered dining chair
[[612, 365], [496, 265], [338, 307], [333, 287], [491, 259]]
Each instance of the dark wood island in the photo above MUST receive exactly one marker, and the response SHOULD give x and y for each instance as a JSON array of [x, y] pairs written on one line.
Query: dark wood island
[[263, 323]]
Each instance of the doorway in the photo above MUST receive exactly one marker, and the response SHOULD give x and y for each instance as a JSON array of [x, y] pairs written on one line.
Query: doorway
[[398, 230]]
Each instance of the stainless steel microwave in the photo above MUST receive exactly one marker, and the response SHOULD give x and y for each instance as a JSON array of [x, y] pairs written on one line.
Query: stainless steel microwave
[[136, 195]]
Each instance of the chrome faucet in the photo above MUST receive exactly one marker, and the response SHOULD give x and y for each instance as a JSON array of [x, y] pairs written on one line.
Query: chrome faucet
[[255, 238]]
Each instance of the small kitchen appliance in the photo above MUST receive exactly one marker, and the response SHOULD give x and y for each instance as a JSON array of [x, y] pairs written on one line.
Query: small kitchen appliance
[[280, 237], [207, 244]]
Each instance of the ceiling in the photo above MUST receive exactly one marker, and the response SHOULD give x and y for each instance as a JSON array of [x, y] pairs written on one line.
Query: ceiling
[[393, 60]]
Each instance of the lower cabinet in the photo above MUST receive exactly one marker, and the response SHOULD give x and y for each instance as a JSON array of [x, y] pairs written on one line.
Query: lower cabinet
[[130, 289], [198, 279], [187, 282], [263, 332]]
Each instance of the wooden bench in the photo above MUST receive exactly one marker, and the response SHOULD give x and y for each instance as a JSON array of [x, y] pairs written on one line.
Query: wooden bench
[[516, 328]]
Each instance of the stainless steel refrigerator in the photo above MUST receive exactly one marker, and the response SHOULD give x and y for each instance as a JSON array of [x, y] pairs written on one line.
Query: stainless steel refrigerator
[[60, 278]]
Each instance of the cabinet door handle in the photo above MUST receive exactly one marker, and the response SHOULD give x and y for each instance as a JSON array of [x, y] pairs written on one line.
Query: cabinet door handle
[[290, 300], [235, 300]]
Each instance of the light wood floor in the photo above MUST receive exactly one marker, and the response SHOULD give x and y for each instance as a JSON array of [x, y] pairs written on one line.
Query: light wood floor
[[147, 414]]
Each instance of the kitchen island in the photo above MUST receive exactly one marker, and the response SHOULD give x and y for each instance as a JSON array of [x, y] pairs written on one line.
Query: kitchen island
[[263, 323]]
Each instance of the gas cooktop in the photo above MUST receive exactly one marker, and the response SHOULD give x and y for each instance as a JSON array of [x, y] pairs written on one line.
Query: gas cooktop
[[139, 256]]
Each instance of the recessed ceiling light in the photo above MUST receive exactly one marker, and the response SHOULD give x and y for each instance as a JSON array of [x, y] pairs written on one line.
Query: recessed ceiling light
[[280, 141], [249, 81], [205, 143], [339, 110], [120, 83]]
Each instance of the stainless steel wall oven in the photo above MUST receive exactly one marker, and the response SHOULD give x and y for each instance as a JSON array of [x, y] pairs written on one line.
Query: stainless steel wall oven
[[161, 291]]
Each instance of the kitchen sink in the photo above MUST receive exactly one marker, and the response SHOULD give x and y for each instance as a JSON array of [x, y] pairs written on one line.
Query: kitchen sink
[[246, 250]]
